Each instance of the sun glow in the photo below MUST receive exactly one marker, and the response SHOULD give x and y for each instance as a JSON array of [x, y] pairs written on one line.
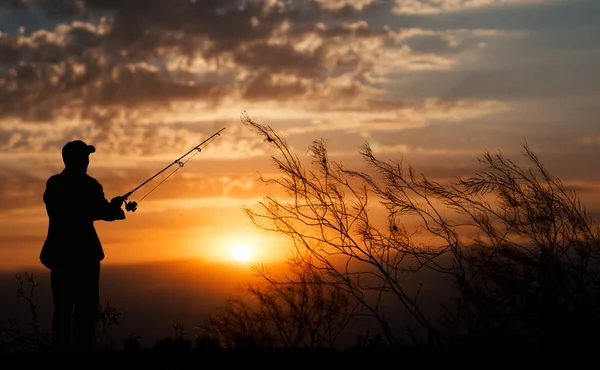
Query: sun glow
[[242, 248], [241, 252]]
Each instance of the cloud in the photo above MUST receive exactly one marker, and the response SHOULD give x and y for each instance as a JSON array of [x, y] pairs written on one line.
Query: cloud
[[123, 76], [593, 139], [396, 115], [439, 6], [54, 77], [453, 41], [340, 4], [154, 53]]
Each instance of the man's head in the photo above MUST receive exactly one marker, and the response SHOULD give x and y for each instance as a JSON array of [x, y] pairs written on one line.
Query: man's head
[[76, 155]]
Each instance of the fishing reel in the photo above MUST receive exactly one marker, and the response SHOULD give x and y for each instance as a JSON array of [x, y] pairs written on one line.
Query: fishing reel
[[131, 206]]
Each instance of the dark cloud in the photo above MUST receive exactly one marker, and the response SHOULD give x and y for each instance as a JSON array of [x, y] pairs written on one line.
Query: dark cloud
[[280, 59], [121, 58], [227, 23], [264, 86], [131, 84], [119, 54], [52, 8]]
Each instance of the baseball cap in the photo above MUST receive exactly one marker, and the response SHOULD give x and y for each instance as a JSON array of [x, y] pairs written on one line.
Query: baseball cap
[[76, 149]]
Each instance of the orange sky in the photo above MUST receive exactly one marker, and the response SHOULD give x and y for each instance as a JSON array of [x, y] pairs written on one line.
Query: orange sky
[[434, 82]]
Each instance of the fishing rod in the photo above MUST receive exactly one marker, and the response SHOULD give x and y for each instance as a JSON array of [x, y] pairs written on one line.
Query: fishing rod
[[132, 206]]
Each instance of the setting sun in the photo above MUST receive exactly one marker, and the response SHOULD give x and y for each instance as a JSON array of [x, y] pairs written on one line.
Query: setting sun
[[241, 252]]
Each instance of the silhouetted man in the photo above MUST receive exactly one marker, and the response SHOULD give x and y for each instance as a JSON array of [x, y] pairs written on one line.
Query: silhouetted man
[[72, 250]]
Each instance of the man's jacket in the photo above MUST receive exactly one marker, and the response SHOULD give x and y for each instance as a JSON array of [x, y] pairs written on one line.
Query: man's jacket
[[73, 202]]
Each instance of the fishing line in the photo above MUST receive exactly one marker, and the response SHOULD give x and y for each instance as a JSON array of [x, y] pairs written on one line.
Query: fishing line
[[132, 206], [181, 164]]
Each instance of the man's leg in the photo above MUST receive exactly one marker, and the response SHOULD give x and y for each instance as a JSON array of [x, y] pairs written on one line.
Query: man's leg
[[61, 282], [86, 307]]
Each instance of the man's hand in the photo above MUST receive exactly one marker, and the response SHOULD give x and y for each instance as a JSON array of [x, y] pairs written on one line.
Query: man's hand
[[117, 201]]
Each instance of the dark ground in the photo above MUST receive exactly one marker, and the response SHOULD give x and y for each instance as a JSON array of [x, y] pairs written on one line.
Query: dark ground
[[403, 358], [263, 359]]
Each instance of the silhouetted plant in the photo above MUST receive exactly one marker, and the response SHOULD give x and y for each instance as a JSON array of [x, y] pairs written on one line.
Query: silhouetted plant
[[176, 344], [296, 311], [179, 331], [534, 271], [107, 316], [236, 326], [518, 245], [15, 338]]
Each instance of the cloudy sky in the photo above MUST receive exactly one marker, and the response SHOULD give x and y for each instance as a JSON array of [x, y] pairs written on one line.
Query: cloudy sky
[[435, 82]]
